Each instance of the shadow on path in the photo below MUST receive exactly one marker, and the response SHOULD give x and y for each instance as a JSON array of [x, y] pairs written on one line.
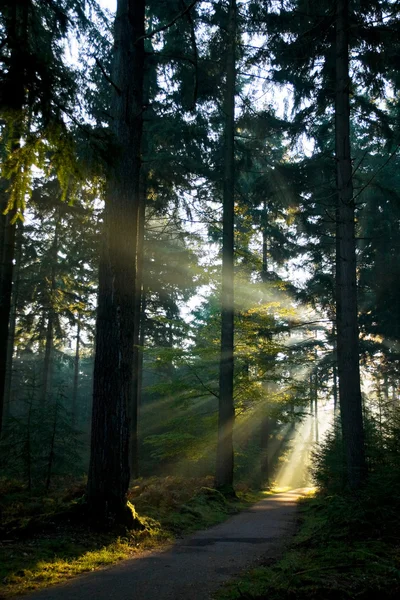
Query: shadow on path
[[194, 567]]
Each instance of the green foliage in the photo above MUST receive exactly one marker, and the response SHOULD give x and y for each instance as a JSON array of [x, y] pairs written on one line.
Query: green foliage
[[346, 547], [170, 445], [39, 443], [48, 542]]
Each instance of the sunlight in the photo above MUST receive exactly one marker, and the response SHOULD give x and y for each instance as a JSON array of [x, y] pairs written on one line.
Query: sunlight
[[295, 469]]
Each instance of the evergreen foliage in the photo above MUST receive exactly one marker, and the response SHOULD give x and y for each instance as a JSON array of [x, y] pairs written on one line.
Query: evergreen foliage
[[134, 192]]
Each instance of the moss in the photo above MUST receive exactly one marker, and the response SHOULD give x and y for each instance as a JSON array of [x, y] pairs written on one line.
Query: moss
[[333, 556], [49, 539], [212, 495], [133, 520]]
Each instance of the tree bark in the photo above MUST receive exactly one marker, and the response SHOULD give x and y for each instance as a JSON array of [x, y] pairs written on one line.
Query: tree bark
[[49, 342], [13, 320], [51, 457], [316, 409], [226, 415], [264, 450], [346, 277], [137, 351], [112, 388], [76, 373], [264, 270], [335, 388], [265, 421], [6, 275], [312, 406], [142, 338], [13, 97]]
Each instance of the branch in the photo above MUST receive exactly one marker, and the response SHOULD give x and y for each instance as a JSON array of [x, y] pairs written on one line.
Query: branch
[[202, 383], [195, 55], [376, 172], [107, 77], [168, 25]]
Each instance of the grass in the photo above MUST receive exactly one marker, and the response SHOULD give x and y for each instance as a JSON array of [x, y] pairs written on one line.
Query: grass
[[345, 549], [42, 544]]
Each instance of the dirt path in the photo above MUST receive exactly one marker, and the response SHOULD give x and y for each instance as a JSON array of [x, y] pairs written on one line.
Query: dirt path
[[195, 566]]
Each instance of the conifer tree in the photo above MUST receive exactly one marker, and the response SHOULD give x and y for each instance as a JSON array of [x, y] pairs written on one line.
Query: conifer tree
[[309, 47], [346, 277], [224, 468], [36, 88], [112, 392]]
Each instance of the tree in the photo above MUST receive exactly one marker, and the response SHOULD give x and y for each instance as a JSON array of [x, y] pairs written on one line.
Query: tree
[[309, 48], [112, 387], [346, 267], [224, 468], [36, 88]]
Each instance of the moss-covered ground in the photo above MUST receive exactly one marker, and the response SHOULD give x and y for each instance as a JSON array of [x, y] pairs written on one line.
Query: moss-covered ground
[[43, 543]]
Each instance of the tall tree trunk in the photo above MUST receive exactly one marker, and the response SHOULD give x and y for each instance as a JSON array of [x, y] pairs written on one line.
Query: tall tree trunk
[[335, 386], [13, 95], [264, 270], [137, 362], [51, 457], [6, 275], [264, 449], [141, 345], [51, 316], [112, 387], [76, 372], [316, 409], [48, 356], [265, 421], [346, 277], [13, 318], [139, 293], [226, 415], [312, 406]]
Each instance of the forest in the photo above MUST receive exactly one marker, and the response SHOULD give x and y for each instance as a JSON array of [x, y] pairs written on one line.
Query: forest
[[200, 243]]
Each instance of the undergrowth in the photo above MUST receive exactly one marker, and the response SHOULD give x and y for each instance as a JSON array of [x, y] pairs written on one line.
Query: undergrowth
[[42, 543], [347, 547]]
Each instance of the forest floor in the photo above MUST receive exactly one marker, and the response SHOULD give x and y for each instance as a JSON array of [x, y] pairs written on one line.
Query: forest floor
[[42, 543], [345, 548], [195, 566]]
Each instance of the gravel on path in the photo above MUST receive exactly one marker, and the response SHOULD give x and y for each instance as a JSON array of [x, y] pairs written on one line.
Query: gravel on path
[[194, 567]]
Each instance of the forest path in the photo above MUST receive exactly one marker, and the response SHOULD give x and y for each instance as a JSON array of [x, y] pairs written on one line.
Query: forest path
[[194, 567]]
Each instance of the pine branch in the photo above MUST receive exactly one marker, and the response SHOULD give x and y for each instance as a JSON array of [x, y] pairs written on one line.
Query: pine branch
[[168, 25], [209, 390], [195, 55], [376, 172], [107, 77]]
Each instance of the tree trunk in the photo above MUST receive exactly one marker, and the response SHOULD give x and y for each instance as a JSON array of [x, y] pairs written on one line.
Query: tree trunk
[[226, 416], [48, 356], [13, 95], [264, 270], [312, 406], [6, 275], [137, 363], [335, 388], [76, 373], [316, 409], [139, 292], [108, 478], [346, 281], [265, 421], [264, 451], [49, 343], [141, 345], [51, 457], [13, 319]]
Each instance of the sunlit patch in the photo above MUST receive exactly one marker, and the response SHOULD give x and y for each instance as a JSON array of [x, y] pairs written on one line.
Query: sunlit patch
[[295, 468]]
